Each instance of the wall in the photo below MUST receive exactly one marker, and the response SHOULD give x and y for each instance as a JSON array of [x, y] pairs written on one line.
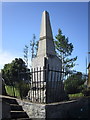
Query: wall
[[32, 109], [6, 110], [69, 109]]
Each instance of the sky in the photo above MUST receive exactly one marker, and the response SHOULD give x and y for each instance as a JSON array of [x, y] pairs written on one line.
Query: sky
[[20, 20], [89, 32]]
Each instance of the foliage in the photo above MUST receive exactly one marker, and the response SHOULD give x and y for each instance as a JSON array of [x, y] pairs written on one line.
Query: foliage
[[26, 55], [15, 75], [64, 50], [77, 95], [20, 90], [11, 71], [34, 46], [86, 92], [23, 89], [74, 83]]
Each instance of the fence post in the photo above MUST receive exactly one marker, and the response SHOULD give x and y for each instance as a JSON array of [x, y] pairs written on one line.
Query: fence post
[[37, 86], [32, 84], [47, 76], [43, 80], [40, 85]]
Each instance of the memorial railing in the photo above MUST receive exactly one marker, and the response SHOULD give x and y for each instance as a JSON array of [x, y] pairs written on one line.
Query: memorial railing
[[45, 84]]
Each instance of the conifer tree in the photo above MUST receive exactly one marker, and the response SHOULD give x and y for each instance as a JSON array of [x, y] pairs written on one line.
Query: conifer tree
[[64, 50]]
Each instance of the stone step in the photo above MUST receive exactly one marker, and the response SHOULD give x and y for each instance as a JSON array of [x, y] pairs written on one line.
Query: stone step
[[18, 114], [15, 107], [10, 100], [23, 119]]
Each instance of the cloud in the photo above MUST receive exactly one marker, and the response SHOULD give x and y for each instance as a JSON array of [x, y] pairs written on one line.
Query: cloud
[[6, 57]]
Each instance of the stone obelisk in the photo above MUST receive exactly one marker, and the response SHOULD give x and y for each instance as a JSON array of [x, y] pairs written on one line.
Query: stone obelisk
[[46, 56], [46, 84], [46, 49]]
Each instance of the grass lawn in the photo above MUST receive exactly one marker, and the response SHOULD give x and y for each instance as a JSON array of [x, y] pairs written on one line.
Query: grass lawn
[[77, 95], [9, 90]]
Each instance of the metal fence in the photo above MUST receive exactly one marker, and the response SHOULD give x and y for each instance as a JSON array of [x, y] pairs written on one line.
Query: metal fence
[[41, 85], [45, 85]]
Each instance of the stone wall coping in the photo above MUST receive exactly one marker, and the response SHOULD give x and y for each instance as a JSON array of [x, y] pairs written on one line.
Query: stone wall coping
[[28, 102], [3, 96], [63, 102], [56, 103]]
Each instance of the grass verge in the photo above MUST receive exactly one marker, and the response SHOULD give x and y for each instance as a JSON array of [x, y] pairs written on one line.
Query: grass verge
[[10, 91], [77, 95]]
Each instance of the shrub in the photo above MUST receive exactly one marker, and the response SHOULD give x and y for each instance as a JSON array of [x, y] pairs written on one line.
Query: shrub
[[23, 89], [74, 83], [86, 92]]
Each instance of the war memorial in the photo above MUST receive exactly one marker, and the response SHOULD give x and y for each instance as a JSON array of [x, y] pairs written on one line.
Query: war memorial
[[48, 82], [46, 97]]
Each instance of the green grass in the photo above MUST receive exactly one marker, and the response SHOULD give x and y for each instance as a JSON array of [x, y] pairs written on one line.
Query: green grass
[[9, 90], [77, 95]]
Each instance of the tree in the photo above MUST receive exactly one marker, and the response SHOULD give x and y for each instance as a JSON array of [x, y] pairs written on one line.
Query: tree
[[26, 55], [64, 50], [34, 46], [74, 83], [6, 74], [11, 70], [12, 73]]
